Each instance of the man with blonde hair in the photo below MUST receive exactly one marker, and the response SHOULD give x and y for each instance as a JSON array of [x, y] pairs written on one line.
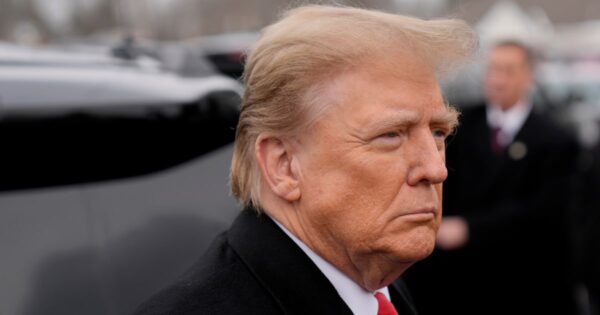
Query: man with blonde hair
[[339, 162]]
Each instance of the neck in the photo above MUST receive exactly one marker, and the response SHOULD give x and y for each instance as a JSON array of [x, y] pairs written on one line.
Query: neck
[[369, 270], [505, 104]]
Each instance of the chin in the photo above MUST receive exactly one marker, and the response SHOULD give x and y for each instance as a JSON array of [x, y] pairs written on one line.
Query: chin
[[415, 246]]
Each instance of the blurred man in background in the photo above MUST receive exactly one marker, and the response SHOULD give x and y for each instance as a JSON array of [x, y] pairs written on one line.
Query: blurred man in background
[[502, 245]]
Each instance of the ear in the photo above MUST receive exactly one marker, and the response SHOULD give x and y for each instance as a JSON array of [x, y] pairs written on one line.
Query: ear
[[278, 167]]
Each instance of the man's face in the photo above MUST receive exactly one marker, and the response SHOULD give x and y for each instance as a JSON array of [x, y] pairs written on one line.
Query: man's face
[[372, 167], [508, 76]]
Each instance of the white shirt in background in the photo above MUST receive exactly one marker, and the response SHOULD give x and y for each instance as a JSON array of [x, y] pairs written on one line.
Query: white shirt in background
[[509, 122]]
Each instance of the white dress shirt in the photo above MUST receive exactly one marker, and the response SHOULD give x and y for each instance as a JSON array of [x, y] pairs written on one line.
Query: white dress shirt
[[509, 122], [359, 300]]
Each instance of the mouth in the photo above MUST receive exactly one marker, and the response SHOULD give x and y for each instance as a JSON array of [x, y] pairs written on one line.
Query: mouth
[[423, 214]]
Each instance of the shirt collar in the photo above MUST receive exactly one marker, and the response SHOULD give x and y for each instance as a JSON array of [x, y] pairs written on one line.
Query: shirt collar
[[360, 301], [509, 121]]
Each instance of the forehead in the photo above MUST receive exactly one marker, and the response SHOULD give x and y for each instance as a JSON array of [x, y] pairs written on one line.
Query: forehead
[[507, 53], [387, 90]]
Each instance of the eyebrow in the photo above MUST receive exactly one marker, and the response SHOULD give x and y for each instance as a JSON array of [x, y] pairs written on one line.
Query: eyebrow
[[448, 117], [399, 118]]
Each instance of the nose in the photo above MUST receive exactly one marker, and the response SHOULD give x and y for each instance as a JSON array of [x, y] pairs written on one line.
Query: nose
[[427, 161]]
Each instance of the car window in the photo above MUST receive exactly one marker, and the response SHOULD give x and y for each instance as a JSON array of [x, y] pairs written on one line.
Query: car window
[[82, 146]]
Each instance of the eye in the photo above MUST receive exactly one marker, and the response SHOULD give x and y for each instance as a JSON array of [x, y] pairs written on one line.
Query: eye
[[391, 135], [389, 140], [440, 133]]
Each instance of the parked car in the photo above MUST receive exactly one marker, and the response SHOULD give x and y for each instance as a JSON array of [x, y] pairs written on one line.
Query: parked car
[[227, 52], [113, 178]]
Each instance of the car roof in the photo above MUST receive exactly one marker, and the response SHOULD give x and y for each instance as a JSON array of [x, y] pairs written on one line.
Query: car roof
[[56, 80]]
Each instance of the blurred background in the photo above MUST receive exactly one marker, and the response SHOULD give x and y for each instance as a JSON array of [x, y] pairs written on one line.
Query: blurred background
[[117, 117]]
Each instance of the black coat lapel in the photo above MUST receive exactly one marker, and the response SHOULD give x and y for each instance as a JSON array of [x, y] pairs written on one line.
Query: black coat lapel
[[401, 298], [492, 161], [294, 281], [506, 162]]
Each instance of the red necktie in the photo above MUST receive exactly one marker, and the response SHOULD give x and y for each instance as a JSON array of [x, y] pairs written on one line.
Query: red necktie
[[385, 306]]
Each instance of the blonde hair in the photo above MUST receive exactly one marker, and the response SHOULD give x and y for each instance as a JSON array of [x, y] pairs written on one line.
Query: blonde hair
[[288, 67]]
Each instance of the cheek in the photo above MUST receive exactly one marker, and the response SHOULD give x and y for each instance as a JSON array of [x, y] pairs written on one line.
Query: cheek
[[347, 195], [363, 177], [350, 196], [372, 184], [355, 202]]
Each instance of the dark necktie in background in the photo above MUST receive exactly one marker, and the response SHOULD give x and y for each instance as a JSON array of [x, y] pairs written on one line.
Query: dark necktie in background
[[495, 143]]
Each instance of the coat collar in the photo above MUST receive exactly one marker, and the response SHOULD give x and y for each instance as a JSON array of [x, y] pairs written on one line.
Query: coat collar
[[282, 268], [401, 299], [290, 277]]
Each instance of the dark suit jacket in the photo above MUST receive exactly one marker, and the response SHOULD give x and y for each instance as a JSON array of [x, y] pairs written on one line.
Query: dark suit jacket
[[515, 203], [255, 268], [586, 231]]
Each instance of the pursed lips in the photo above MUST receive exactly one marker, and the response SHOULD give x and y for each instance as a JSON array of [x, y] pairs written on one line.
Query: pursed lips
[[421, 213]]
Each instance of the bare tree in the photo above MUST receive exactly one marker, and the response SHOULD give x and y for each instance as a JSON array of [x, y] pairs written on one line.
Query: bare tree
[[87, 20], [15, 15]]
